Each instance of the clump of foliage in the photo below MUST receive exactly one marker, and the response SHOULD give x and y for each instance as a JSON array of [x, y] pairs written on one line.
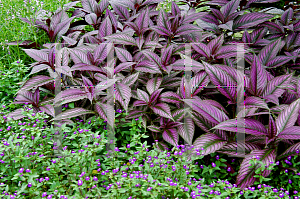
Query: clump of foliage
[[147, 75]]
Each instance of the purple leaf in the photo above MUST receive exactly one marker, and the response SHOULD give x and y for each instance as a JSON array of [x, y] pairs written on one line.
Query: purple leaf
[[152, 57], [245, 177], [121, 11], [220, 77], [211, 113], [192, 17], [246, 125], [70, 95], [187, 28], [166, 54], [209, 142], [163, 20], [123, 55], [104, 109], [270, 51], [288, 116], [291, 151], [236, 148], [153, 84], [38, 68], [36, 81], [273, 85], [257, 76], [171, 136], [142, 21], [290, 133], [123, 66], [123, 94], [170, 97], [142, 95], [147, 67], [101, 51], [105, 29], [161, 30], [218, 14], [89, 5], [215, 44], [122, 38], [49, 109], [250, 19], [187, 131], [37, 55], [86, 67], [226, 52], [163, 110], [62, 27], [230, 8], [79, 57], [202, 49], [154, 128], [278, 61], [198, 82], [287, 16], [72, 113], [255, 102]]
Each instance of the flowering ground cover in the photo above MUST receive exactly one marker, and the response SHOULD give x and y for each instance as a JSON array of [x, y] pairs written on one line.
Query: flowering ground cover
[[150, 159]]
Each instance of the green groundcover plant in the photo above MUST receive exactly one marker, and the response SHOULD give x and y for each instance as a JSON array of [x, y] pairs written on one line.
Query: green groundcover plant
[[85, 172]]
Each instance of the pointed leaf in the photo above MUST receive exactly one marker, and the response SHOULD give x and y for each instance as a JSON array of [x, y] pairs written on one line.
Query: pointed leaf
[[288, 116], [163, 110], [291, 151], [153, 84], [123, 55], [36, 81], [209, 142], [250, 19], [187, 130], [171, 136], [269, 51], [235, 148], [122, 38], [72, 113], [246, 125], [230, 8]]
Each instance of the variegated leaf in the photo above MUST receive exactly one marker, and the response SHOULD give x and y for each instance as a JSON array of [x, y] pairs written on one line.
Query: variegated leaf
[[246, 125], [288, 116], [186, 131]]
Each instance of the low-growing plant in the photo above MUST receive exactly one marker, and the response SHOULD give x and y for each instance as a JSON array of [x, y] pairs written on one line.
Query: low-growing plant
[[83, 170]]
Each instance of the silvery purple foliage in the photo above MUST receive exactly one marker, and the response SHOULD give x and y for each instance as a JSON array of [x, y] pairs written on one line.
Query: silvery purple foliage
[[149, 68]]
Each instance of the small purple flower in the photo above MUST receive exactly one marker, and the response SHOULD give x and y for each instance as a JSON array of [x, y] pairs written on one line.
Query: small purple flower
[[213, 164], [54, 161], [79, 182], [95, 178], [27, 170], [281, 195], [29, 184], [217, 157], [46, 178], [44, 194], [21, 170], [87, 178], [286, 171], [128, 145], [290, 181], [149, 188]]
